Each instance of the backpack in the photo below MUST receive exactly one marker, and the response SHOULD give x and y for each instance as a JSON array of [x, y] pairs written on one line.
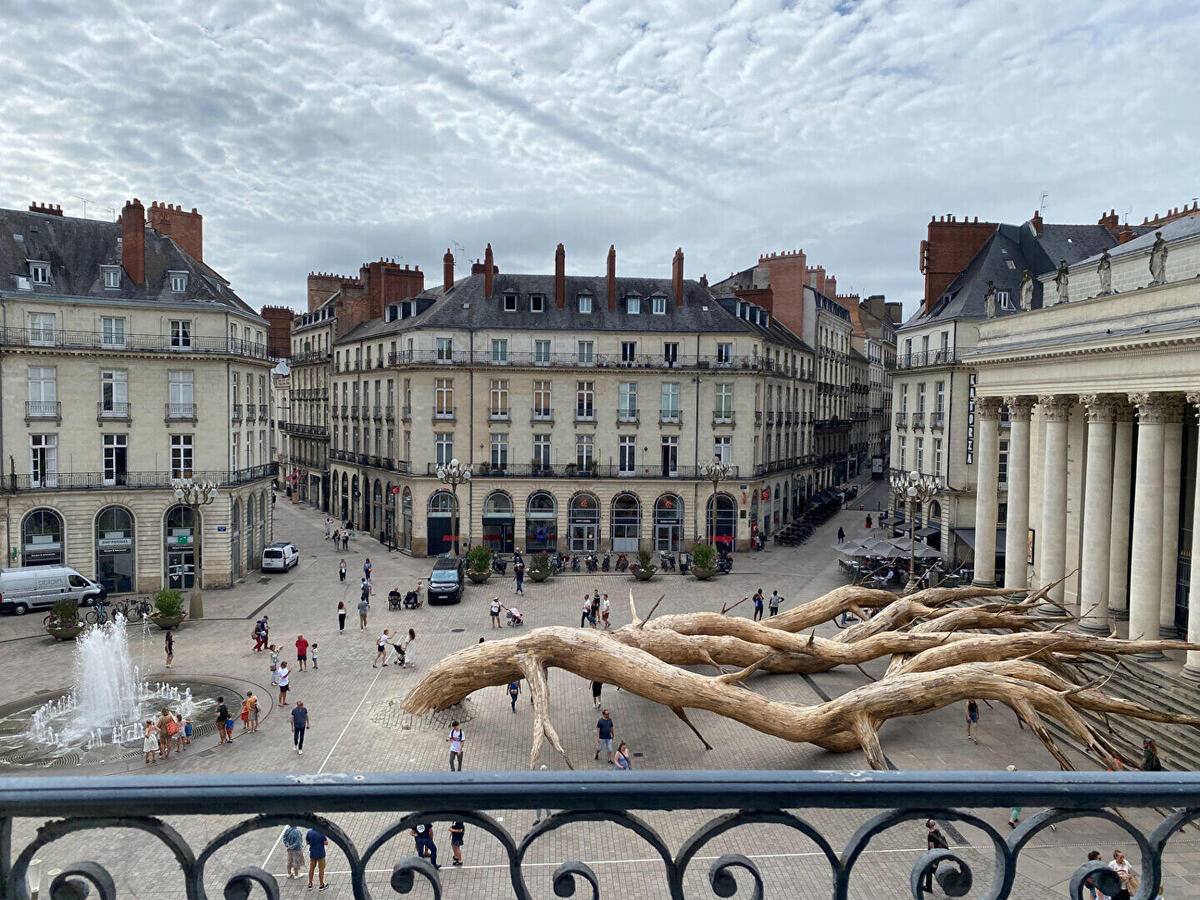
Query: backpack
[[938, 839]]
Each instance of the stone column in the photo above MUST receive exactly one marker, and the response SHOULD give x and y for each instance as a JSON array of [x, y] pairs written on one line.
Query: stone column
[[1172, 463], [987, 461], [1118, 548], [1097, 492], [1055, 409], [1192, 668], [1145, 580], [1017, 524]]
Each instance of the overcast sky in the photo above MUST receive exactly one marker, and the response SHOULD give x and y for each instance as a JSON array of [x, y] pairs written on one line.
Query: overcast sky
[[316, 135]]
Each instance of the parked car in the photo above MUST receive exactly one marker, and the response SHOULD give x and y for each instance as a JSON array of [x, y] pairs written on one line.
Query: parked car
[[30, 587], [280, 556], [446, 580]]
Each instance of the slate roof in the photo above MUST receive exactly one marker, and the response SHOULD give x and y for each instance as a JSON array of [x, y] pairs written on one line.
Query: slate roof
[[1179, 230], [76, 249]]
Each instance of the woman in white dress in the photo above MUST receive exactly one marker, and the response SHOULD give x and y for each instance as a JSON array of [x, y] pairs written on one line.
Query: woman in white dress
[[150, 741], [408, 649]]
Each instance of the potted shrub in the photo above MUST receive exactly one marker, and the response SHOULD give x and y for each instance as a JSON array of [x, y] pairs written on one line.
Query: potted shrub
[[703, 558], [64, 623], [168, 608], [539, 567], [642, 570], [479, 564]]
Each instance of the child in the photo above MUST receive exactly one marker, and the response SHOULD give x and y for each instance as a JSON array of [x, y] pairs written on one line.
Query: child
[[179, 732], [229, 729], [245, 716], [274, 664], [187, 731], [312, 652]]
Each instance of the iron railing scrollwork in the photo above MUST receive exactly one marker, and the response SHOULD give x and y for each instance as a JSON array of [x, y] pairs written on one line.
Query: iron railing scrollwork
[[78, 805]]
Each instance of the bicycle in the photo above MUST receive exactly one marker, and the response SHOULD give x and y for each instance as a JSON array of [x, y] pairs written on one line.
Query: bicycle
[[98, 614], [133, 610]]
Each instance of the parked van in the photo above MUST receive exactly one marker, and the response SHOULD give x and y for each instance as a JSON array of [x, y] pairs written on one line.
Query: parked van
[[30, 587], [280, 556]]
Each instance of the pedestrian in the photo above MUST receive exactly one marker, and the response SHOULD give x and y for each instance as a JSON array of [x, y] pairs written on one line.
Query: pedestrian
[[337, 538], [597, 686], [758, 605], [381, 650], [408, 649], [345, 540], [274, 664], [316, 857], [514, 691], [170, 648], [253, 703], [1093, 856], [604, 736], [260, 636], [773, 603], [456, 739], [363, 606], [301, 652], [1128, 878], [150, 741], [266, 623], [519, 573], [622, 758], [222, 716], [456, 840], [605, 610], [164, 723], [868, 521], [367, 569], [934, 840], [341, 617], [328, 526], [188, 728], [293, 843], [244, 715], [300, 724], [229, 729], [1150, 760], [586, 611], [342, 570], [284, 682], [841, 535], [423, 837], [179, 732], [594, 609], [973, 721], [312, 651]]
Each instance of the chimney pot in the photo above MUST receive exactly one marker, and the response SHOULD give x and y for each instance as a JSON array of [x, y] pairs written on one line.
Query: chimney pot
[[133, 241], [560, 276], [612, 277], [447, 271], [489, 271]]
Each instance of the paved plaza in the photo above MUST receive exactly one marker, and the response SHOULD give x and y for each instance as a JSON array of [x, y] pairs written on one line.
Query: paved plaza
[[358, 725]]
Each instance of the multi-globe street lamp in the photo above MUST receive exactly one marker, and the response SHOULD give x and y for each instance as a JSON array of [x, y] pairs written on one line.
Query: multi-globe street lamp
[[452, 475], [918, 489], [195, 494], [716, 472]]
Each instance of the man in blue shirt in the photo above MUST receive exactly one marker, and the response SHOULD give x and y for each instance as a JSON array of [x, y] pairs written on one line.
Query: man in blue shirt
[[316, 856], [423, 836], [293, 842], [604, 736], [300, 724]]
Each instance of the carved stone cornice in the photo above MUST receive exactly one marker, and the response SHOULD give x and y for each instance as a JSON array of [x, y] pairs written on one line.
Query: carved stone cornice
[[1020, 408], [988, 407], [1158, 408], [1055, 407], [1101, 408]]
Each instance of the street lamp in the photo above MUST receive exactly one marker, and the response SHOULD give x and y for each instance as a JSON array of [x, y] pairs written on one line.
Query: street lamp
[[716, 472], [453, 475], [914, 488], [195, 494]]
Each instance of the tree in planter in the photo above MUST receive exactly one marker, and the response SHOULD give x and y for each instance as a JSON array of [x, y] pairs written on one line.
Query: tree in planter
[[539, 567], [642, 570], [168, 603], [65, 614], [479, 563], [703, 557]]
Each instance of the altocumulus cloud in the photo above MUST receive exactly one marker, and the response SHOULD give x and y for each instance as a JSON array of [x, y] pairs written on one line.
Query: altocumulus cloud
[[316, 135]]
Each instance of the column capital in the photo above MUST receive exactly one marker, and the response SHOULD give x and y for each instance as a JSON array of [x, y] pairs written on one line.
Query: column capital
[[1158, 408], [1055, 407], [987, 407], [1101, 408], [1019, 407], [1193, 397]]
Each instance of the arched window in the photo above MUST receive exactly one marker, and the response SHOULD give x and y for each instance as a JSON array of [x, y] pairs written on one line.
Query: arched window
[[726, 520], [441, 503], [42, 539], [499, 523], [541, 522], [235, 539], [114, 549], [498, 503], [179, 559], [439, 523], [583, 522], [668, 523], [626, 523], [377, 505], [250, 542]]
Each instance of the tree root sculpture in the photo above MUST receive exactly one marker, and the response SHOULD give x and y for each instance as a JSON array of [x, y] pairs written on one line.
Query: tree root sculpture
[[937, 658]]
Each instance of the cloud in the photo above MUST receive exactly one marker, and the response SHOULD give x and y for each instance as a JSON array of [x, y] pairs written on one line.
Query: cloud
[[319, 135]]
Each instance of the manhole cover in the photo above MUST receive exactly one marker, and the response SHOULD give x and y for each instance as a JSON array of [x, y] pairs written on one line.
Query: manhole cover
[[637, 754], [457, 630]]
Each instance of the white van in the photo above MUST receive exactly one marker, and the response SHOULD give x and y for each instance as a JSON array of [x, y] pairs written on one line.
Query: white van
[[29, 587], [280, 556]]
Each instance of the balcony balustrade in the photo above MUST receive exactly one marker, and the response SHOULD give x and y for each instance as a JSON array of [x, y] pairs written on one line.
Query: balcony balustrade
[[542, 414], [937, 421], [670, 417], [918, 420], [627, 416], [43, 410], [574, 470], [82, 481], [722, 416], [901, 420], [406, 413], [152, 343], [573, 361], [179, 412], [926, 358], [235, 413], [113, 411]]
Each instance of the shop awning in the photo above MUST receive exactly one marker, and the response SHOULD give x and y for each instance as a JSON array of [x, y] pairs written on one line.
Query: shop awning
[[967, 536]]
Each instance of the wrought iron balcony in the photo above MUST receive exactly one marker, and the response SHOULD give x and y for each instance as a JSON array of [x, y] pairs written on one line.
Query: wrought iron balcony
[[918, 420], [670, 417], [901, 420], [629, 415], [236, 413], [937, 421], [722, 416], [82, 481], [153, 343], [179, 412], [36, 410], [543, 414], [574, 470], [113, 411]]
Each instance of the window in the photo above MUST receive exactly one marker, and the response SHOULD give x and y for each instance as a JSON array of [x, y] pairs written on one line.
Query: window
[[627, 455], [541, 451], [940, 397], [585, 303], [908, 350], [902, 452], [234, 440], [111, 276], [1004, 300], [180, 387], [670, 402], [633, 305], [627, 401], [510, 302], [723, 449], [584, 397], [443, 449], [114, 393], [179, 282], [921, 397], [945, 341], [628, 352], [43, 392], [39, 272], [937, 456], [724, 354], [723, 404], [116, 447], [670, 457], [919, 464], [584, 451], [586, 352], [41, 328], [43, 460], [541, 400], [443, 395], [499, 350], [537, 303], [445, 350], [499, 398], [1002, 467], [181, 456], [181, 332], [112, 331], [904, 398], [658, 306], [670, 353], [541, 352], [499, 451]]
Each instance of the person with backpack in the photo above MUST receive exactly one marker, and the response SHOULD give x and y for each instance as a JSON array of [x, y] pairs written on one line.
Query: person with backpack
[[934, 840], [1150, 760], [758, 605]]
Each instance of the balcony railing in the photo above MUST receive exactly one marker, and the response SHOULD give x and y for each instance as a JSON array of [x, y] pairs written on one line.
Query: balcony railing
[[670, 417], [901, 420], [389, 413], [544, 414], [308, 356], [376, 412], [113, 411], [43, 410], [354, 410], [918, 420], [406, 413], [82, 481], [937, 421], [154, 343], [236, 412], [574, 470], [499, 415], [179, 412], [305, 430], [627, 415], [585, 414], [722, 417], [573, 361], [926, 358]]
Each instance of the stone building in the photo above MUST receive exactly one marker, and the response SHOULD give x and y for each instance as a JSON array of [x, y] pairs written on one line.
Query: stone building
[[585, 406], [126, 361]]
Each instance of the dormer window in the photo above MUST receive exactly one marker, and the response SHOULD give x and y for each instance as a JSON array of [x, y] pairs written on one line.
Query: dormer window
[[39, 272], [633, 305], [510, 302], [179, 282], [658, 305], [537, 303], [1004, 299], [393, 313], [111, 276], [585, 303]]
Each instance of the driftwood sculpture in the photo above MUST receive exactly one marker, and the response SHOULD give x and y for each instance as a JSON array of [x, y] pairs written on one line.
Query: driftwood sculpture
[[937, 656]]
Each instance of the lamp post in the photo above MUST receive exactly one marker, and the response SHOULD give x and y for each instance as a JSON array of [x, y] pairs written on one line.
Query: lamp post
[[914, 488], [453, 475], [195, 494], [716, 472]]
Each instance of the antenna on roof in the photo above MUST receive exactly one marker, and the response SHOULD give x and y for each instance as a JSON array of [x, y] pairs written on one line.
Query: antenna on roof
[[1042, 203], [113, 212], [1125, 218], [460, 252], [85, 200]]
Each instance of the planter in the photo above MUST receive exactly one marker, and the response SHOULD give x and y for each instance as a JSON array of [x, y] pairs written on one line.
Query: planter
[[479, 577], [703, 574], [537, 575], [643, 574], [65, 632], [168, 622]]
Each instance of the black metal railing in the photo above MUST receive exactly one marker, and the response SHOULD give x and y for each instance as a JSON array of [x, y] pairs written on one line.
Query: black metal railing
[[95, 340], [305, 430], [82, 481], [43, 409], [179, 412], [236, 413], [703, 805], [926, 358], [118, 410], [574, 361], [574, 470]]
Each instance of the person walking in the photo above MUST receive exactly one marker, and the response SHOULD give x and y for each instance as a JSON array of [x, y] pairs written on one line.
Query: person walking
[[364, 605], [300, 724], [381, 649], [252, 703], [244, 715], [973, 721], [260, 636], [622, 758], [585, 612], [605, 610], [456, 840], [841, 535], [604, 736], [345, 540], [150, 741], [293, 843], [514, 691], [758, 605], [594, 609], [222, 716], [274, 664], [408, 650], [597, 686], [342, 570], [367, 568], [934, 840], [178, 732], [773, 603], [456, 739], [519, 574], [494, 611], [423, 836], [284, 682], [341, 617], [312, 652], [868, 521], [1150, 760], [170, 648], [316, 857], [301, 652], [266, 624], [328, 526]]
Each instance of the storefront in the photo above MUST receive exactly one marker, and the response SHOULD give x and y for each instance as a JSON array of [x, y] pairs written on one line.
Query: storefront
[[541, 523], [115, 555], [42, 538], [180, 566], [499, 522]]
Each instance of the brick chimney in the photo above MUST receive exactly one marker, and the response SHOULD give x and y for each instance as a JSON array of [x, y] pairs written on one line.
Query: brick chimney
[[949, 246], [677, 276], [489, 271], [45, 209], [831, 283], [185, 228], [560, 276], [1036, 223], [612, 277], [447, 271], [133, 240], [704, 281], [1111, 221], [1125, 235]]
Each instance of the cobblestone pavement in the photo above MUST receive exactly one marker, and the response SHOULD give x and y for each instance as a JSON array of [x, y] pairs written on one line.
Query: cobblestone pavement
[[358, 725]]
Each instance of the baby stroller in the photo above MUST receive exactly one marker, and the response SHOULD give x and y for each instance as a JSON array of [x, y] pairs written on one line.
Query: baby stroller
[[398, 658], [412, 600], [514, 617], [393, 599]]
